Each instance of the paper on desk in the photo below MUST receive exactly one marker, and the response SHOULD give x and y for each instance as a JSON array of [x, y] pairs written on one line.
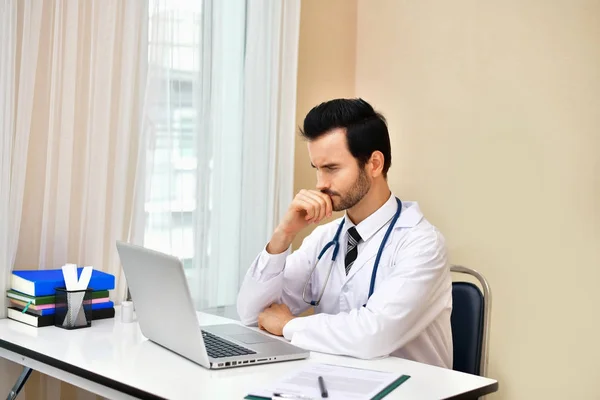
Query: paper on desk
[[342, 383]]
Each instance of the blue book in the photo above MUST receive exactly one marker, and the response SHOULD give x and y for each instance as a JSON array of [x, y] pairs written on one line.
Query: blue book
[[42, 282]]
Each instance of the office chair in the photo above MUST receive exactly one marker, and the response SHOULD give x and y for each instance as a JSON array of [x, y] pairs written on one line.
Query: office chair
[[470, 322]]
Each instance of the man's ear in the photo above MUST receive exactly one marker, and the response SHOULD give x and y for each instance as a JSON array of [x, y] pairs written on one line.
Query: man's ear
[[376, 164]]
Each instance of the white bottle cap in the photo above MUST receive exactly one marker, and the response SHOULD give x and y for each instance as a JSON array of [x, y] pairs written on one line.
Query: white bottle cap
[[126, 311]]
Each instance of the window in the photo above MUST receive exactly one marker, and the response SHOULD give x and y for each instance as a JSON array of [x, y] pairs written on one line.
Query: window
[[173, 57], [214, 175]]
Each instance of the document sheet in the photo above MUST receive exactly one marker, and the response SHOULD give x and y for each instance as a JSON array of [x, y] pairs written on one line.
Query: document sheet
[[343, 383]]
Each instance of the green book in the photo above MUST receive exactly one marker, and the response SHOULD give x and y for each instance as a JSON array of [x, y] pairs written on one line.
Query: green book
[[41, 300]]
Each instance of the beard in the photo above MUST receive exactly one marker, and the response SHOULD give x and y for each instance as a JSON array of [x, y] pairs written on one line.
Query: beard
[[359, 189]]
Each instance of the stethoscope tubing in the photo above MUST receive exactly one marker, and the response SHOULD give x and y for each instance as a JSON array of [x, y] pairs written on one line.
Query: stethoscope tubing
[[336, 243]]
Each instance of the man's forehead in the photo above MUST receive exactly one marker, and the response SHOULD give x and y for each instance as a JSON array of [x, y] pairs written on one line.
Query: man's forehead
[[328, 147]]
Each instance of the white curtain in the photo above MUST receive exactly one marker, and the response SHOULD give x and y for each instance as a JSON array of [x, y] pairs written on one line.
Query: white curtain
[[84, 137], [13, 147], [271, 64], [70, 112], [219, 116], [14, 138]]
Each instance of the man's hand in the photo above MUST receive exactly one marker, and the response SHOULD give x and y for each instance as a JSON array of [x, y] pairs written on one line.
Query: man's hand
[[274, 318], [309, 206]]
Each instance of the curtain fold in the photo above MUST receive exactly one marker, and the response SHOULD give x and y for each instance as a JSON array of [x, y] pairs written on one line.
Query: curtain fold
[[16, 99], [18, 52], [271, 63]]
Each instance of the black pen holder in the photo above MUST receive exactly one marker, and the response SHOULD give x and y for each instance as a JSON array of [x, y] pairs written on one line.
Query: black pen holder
[[73, 309]]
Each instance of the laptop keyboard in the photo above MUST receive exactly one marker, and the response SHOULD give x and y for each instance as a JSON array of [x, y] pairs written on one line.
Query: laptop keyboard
[[217, 347]]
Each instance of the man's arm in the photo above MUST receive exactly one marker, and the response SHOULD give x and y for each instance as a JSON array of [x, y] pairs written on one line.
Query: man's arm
[[278, 278], [276, 275], [399, 310]]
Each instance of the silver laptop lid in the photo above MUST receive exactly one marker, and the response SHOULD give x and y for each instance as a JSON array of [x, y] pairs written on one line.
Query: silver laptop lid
[[162, 301]]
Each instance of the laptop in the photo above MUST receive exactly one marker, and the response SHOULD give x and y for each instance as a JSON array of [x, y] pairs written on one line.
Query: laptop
[[167, 316]]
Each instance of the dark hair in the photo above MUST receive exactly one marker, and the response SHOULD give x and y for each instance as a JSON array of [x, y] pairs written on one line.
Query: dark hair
[[366, 129]]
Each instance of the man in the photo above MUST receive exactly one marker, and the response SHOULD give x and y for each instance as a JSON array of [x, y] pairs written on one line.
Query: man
[[406, 310]]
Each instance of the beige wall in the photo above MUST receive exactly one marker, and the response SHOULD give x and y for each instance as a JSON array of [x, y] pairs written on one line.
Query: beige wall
[[494, 110], [326, 69]]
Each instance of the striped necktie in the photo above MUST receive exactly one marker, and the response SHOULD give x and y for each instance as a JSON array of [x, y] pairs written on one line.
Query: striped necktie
[[352, 249]]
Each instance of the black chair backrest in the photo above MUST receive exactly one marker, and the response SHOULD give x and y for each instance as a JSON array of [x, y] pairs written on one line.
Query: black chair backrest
[[467, 326]]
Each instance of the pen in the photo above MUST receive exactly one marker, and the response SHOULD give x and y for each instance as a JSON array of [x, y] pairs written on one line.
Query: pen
[[290, 396], [323, 388]]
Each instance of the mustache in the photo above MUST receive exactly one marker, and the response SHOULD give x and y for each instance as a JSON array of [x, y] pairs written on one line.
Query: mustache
[[329, 192]]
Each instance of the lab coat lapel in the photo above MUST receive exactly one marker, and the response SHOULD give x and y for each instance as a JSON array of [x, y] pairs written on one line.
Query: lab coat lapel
[[360, 262], [411, 215]]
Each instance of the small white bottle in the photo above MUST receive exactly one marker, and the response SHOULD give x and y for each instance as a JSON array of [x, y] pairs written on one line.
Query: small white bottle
[[127, 311]]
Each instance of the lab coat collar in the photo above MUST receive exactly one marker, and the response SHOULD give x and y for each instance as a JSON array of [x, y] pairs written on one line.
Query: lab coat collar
[[409, 217]]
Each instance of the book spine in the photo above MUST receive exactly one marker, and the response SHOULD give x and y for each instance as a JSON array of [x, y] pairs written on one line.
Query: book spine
[[48, 288]]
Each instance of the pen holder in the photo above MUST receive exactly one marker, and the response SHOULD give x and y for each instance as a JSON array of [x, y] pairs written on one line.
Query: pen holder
[[73, 308]]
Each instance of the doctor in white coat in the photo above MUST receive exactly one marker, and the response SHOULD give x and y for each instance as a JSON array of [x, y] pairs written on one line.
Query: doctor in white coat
[[378, 277]]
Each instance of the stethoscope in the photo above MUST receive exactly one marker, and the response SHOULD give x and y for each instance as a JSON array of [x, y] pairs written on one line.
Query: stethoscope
[[336, 247]]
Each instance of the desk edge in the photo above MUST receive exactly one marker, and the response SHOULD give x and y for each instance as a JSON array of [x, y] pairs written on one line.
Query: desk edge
[[476, 393], [75, 370]]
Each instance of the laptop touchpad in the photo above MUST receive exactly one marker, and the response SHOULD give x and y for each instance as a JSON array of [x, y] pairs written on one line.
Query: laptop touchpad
[[252, 338]]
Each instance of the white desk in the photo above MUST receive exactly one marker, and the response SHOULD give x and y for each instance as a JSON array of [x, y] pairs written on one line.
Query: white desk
[[114, 360]]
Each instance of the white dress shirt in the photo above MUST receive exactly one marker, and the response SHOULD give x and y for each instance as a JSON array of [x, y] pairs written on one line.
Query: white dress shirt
[[408, 314]]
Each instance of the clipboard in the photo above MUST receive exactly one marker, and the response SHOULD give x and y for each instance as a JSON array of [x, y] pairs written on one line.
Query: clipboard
[[377, 392]]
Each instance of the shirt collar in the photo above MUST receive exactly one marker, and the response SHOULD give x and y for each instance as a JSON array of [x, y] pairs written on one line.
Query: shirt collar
[[410, 216], [370, 225]]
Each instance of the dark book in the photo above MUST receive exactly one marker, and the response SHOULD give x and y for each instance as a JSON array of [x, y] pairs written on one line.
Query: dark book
[[40, 321]]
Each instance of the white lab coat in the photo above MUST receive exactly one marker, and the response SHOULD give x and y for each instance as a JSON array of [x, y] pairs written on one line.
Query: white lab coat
[[408, 314]]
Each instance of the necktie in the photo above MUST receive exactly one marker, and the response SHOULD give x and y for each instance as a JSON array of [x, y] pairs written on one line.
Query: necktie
[[352, 249]]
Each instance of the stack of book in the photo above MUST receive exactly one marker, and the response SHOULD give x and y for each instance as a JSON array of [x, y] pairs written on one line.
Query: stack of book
[[31, 296]]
